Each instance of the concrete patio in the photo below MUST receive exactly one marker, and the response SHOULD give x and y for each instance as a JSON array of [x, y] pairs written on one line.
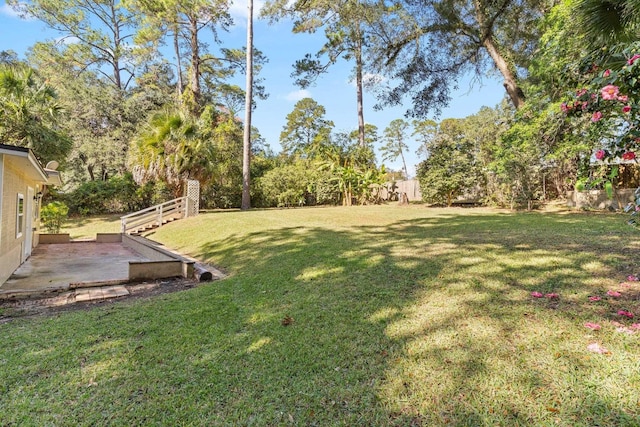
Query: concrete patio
[[78, 271], [61, 266]]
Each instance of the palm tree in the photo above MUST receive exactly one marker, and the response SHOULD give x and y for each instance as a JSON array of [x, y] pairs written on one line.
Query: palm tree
[[174, 147], [30, 114], [608, 22]]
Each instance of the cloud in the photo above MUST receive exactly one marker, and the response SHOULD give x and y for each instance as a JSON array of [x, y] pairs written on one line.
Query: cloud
[[7, 10], [297, 95], [239, 12]]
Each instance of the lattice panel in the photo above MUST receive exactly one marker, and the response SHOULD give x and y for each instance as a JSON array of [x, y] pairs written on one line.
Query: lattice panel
[[193, 195]]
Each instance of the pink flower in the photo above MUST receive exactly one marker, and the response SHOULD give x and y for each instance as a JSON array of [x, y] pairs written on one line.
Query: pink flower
[[565, 108], [625, 313], [613, 293], [596, 116], [593, 326], [623, 98], [600, 154], [626, 108], [597, 348], [629, 155], [594, 298], [635, 326], [536, 294], [633, 59], [581, 92], [610, 92], [632, 278], [552, 295], [606, 73]]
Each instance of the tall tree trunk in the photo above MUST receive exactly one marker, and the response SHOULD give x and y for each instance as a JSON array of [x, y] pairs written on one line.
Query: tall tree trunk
[[404, 163], [194, 82], [510, 80], [486, 34], [246, 143], [176, 49], [115, 55], [358, 54]]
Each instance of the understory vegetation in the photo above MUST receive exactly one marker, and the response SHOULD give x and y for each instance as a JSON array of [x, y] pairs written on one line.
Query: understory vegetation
[[129, 128], [372, 315]]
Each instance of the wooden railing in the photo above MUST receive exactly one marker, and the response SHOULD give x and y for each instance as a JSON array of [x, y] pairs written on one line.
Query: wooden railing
[[154, 217]]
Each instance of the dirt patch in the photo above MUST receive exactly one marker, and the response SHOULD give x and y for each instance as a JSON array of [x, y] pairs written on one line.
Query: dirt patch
[[66, 301]]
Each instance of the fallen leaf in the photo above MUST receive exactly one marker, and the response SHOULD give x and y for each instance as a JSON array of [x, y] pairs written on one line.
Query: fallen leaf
[[287, 320]]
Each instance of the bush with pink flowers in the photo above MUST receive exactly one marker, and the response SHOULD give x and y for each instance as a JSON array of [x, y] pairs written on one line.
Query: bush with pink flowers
[[612, 101]]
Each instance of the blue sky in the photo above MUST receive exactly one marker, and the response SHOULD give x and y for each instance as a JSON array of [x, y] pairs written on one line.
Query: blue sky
[[334, 90]]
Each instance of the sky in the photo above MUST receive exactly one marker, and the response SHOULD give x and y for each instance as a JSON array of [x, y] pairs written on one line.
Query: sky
[[334, 91]]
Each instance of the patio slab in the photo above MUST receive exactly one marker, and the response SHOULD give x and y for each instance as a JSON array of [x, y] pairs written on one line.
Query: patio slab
[[61, 266]]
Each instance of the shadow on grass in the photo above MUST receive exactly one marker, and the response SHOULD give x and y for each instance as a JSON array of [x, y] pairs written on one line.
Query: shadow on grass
[[422, 322], [443, 306]]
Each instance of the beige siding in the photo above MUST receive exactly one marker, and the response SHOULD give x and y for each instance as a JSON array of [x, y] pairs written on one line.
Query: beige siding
[[14, 182]]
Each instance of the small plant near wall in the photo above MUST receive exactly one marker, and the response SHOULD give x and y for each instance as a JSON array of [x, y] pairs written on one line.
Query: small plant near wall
[[53, 215]]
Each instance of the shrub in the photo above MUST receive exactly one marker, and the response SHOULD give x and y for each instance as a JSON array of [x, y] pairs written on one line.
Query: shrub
[[287, 185], [117, 195], [53, 215]]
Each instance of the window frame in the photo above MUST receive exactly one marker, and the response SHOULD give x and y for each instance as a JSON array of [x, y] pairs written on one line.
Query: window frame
[[20, 208]]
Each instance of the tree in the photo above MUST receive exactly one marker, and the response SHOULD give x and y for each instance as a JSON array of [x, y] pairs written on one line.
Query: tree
[[608, 21], [174, 147], [425, 131], [394, 136], [246, 144], [345, 24], [30, 114], [99, 34], [306, 131], [452, 167], [539, 134], [99, 118], [184, 21], [370, 135], [427, 45], [8, 57]]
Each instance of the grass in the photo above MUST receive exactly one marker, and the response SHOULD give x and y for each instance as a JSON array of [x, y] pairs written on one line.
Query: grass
[[83, 227], [386, 316]]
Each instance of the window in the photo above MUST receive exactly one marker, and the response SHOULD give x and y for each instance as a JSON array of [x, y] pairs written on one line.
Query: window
[[20, 216]]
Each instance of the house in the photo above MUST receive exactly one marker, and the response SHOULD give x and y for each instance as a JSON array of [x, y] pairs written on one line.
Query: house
[[22, 182]]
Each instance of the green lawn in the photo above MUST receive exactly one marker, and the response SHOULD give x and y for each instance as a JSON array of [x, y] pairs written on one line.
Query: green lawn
[[362, 316], [83, 227]]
